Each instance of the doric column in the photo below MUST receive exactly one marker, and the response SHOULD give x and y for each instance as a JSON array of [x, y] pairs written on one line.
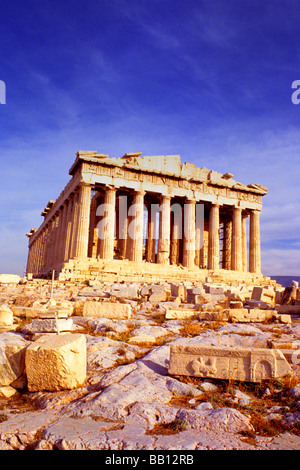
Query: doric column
[[213, 238], [83, 219], [58, 226], [29, 258], [51, 242], [236, 240], [62, 232], [46, 244], [189, 241], [39, 254], [254, 243], [226, 261], [244, 242], [74, 223], [93, 232], [106, 227], [43, 250], [135, 228], [151, 232], [67, 241], [176, 232], [122, 226], [163, 247]]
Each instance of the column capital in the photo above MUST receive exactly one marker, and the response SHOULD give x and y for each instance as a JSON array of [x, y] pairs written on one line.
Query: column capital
[[139, 192], [190, 200], [84, 184], [111, 187]]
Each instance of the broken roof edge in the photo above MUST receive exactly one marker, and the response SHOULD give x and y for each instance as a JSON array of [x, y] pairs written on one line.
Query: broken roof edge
[[181, 170]]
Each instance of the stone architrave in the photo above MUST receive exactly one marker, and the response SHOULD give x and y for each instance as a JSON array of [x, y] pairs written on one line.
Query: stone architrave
[[245, 364], [119, 311], [56, 362]]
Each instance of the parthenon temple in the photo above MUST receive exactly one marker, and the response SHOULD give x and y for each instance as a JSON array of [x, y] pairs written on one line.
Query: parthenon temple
[[153, 217]]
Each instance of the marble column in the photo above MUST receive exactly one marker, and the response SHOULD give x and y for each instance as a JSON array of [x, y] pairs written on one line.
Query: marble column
[[151, 232], [93, 232], [189, 241], [66, 249], [83, 219], [62, 232], [135, 228], [122, 226], [106, 227], [163, 247], [244, 242], [213, 238], [227, 244], [176, 232], [254, 243], [236, 240], [74, 224]]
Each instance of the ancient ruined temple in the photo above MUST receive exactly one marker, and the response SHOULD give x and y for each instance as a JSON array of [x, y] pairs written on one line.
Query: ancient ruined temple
[[142, 218]]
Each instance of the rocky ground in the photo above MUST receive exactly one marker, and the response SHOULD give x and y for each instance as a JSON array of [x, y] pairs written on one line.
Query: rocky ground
[[129, 401]]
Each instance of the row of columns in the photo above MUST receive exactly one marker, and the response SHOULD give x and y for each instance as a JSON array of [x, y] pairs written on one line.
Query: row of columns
[[64, 236], [69, 232]]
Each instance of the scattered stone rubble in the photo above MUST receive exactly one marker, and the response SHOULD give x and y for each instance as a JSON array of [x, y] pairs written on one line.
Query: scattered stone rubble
[[100, 364]]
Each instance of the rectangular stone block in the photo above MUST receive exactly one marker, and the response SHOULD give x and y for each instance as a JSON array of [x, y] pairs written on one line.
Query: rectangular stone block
[[56, 362], [178, 290], [9, 279], [263, 295], [242, 315], [180, 314], [245, 364], [289, 309], [51, 325], [214, 289], [106, 310]]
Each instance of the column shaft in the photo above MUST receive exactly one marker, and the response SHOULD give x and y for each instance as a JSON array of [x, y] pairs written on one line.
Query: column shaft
[[244, 243], [66, 248], [213, 238], [73, 225], [106, 227], [189, 245], [163, 247], [135, 228], [254, 243], [236, 240], [83, 219], [151, 233], [122, 226]]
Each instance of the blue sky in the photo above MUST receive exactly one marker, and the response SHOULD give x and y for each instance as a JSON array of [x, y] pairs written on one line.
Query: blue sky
[[209, 80]]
